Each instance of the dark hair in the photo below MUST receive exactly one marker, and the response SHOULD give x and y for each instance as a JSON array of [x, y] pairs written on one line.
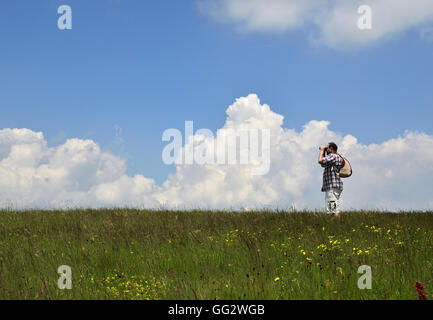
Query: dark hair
[[333, 146]]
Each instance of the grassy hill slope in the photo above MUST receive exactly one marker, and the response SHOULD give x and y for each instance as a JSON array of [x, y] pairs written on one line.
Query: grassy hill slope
[[133, 254]]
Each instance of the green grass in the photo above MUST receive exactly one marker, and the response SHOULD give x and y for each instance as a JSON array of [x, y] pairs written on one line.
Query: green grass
[[133, 254]]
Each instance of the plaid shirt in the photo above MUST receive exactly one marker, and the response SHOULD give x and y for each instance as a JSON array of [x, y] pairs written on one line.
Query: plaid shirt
[[331, 175]]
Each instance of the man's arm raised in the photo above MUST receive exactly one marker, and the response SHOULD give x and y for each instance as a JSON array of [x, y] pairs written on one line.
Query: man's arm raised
[[321, 154]]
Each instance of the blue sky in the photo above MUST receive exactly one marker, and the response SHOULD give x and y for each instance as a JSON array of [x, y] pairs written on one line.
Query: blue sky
[[150, 65]]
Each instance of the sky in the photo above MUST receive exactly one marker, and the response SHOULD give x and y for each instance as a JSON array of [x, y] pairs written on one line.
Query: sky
[[129, 70]]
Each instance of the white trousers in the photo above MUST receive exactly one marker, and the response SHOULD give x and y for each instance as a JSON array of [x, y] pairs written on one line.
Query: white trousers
[[332, 200]]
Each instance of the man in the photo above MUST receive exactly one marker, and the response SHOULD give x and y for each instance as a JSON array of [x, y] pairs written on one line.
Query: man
[[332, 184]]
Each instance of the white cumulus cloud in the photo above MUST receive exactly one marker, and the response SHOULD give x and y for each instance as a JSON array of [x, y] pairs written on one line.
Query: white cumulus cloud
[[333, 22], [395, 174]]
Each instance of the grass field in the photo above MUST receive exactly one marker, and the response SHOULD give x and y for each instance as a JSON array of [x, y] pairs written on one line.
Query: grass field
[[132, 254]]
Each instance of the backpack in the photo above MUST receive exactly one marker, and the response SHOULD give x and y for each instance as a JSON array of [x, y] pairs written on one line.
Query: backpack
[[346, 168]]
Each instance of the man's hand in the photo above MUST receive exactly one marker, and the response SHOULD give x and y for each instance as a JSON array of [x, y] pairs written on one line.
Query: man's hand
[[322, 151]]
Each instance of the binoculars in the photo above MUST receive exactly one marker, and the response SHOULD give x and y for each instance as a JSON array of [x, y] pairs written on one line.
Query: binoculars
[[325, 151]]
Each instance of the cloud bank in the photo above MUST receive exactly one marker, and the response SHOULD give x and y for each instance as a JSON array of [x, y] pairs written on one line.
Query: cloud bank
[[395, 174], [332, 23]]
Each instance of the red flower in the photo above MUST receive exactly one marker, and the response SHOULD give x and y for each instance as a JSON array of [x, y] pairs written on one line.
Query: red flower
[[420, 291]]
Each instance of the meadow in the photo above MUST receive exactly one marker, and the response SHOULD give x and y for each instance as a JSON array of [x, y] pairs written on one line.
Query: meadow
[[141, 254]]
